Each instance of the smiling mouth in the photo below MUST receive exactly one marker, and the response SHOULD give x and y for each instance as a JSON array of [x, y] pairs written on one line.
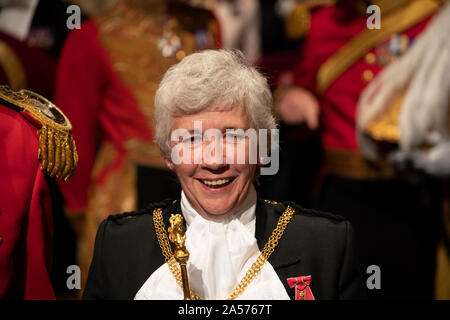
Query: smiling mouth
[[218, 183]]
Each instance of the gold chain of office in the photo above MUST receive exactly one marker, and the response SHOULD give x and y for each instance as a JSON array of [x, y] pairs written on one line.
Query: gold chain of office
[[251, 273]]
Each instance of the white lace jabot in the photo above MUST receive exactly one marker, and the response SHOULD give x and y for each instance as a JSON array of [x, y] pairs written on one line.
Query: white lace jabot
[[221, 252]]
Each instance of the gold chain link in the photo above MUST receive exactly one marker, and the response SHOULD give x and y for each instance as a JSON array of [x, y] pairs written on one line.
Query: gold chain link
[[167, 249], [251, 273]]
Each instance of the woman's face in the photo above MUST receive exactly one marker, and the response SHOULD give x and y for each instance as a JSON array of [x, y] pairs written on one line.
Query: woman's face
[[215, 181]]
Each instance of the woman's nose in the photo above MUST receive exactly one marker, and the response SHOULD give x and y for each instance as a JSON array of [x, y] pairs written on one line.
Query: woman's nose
[[213, 156]]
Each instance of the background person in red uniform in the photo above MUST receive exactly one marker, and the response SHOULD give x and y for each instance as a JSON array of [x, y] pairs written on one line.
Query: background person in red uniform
[[26, 221], [395, 227]]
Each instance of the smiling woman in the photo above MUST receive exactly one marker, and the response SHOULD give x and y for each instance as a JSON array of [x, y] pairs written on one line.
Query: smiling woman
[[214, 186], [238, 245]]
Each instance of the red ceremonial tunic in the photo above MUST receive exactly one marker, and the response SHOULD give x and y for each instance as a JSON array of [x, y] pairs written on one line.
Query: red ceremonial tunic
[[339, 102], [26, 223]]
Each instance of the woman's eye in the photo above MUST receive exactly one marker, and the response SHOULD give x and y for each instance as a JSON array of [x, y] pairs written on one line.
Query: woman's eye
[[232, 137]]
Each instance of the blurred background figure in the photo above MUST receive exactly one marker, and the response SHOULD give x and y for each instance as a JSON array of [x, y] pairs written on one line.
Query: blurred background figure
[[107, 76], [394, 209], [404, 116]]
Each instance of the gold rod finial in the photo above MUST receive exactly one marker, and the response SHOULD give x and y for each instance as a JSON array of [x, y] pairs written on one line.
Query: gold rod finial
[[177, 234]]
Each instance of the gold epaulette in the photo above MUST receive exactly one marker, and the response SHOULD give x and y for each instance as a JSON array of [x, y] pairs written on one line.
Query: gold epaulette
[[57, 152], [298, 22]]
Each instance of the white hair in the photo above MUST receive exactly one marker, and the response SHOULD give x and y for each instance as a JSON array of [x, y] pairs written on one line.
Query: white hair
[[222, 78]]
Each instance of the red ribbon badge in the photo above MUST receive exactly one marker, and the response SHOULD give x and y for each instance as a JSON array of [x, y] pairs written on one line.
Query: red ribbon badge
[[302, 289]]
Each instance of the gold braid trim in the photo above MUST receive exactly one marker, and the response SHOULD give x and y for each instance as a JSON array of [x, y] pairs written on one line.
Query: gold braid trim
[[397, 21], [57, 151], [251, 273]]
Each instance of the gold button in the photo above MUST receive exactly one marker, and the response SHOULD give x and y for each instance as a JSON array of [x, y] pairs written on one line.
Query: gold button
[[370, 58], [367, 75]]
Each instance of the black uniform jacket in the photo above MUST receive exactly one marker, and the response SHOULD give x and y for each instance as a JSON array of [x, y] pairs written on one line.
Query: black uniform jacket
[[314, 243]]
